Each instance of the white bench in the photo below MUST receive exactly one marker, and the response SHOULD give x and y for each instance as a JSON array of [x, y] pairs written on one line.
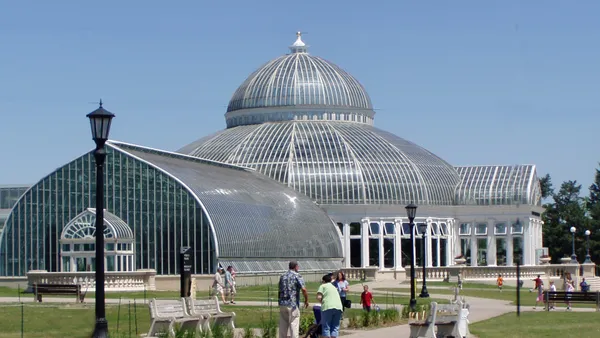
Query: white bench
[[210, 310], [166, 314], [443, 320]]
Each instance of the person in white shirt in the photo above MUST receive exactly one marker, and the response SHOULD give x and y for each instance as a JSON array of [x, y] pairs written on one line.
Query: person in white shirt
[[218, 284], [552, 289], [570, 289]]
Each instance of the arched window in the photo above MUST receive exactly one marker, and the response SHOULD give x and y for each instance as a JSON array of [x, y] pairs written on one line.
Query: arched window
[[78, 243]]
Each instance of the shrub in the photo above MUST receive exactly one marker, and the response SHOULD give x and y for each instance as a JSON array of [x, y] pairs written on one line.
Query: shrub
[[305, 322], [365, 319], [374, 318], [269, 328], [390, 316], [418, 308], [353, 322]]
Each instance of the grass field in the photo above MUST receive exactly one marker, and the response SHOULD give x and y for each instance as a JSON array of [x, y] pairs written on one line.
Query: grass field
[[540, 324]]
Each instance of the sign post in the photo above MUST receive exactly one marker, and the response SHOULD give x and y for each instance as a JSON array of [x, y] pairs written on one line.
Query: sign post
[[185, 263]]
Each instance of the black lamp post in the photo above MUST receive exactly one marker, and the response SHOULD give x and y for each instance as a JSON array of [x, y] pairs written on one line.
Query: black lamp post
[[100, 120], [588, 258], [423, 230], [573, 255], [411, 212]]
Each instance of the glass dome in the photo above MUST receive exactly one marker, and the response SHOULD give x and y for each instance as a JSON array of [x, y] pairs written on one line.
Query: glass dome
[[299, 86], [335, 162]]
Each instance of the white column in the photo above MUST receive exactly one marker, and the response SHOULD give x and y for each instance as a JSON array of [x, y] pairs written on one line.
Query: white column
[[346, 241], [428, 246], [364, 234], [474, 245], [541, 234], [438, 253], [398, 245], [381, 251], [509, 246], [526, 243], [491, 251]]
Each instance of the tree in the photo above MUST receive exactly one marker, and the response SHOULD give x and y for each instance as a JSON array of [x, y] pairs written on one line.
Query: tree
[[593, 210], [567, 209], [546, 186]]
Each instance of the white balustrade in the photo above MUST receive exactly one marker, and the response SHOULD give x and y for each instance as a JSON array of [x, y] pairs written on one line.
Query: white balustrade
[[492, 272], [113, 281]]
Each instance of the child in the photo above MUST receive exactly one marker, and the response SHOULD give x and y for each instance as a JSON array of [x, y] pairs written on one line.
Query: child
[[552, 289], [499, 282], [366, 299], [539, 286]]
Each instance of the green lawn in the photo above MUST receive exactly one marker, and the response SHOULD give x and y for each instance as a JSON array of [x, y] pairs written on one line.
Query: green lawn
[[77, 320], [539, 324]]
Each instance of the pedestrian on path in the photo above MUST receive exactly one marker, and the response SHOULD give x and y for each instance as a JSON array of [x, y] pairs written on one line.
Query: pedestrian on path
[[570, 288], [552, 289], [290, 286], [218, 286], [331, 308], [366, 299], [539, 286], [229, 284]]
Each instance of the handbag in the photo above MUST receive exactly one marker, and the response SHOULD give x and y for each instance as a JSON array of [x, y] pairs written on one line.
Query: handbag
[[348, 303]]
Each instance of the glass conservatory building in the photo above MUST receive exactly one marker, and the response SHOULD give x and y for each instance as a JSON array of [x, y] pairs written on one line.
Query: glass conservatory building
[[301, 173]]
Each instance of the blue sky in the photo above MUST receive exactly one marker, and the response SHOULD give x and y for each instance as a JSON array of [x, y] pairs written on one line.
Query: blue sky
[[475, 82]]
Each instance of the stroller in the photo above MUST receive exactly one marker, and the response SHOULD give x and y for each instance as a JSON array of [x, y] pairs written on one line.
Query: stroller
[[314, 331]]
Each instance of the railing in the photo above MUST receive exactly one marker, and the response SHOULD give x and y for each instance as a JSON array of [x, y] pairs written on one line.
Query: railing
[[113, 281], [492, 272]]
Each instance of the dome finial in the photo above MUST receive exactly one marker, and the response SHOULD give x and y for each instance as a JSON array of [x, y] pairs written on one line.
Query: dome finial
[[298, 46]]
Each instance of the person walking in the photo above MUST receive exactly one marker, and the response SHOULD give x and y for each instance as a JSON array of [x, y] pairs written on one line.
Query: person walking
[[366, 299], [570, 288], [331, 308], [500, 282], [552, 303], [229, 285], [343, 286], [290, 286], [539, 286], [218, 285]]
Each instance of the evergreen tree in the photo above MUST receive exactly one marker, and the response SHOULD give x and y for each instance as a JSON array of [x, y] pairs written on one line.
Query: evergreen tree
[[566, 210], [593, 209], [546, 186]]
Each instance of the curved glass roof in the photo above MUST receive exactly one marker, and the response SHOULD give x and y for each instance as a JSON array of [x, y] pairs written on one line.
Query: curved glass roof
[[252, 215], [301, 80], [335, 162], [498, 185]]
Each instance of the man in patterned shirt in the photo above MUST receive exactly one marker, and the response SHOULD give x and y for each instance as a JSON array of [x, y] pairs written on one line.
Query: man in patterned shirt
[[290, 284]]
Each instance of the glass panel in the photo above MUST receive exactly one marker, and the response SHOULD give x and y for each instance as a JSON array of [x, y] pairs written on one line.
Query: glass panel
[[373, 252], [518, 249], [500, 229], [341, 227], [66, 247], [517, 228], [110, 263], [435, 229], [388, 248], [501, 246], [420, 227], [66, 267], [444, 229], [406, 228], [465, 246], [389, 228], [481, 229], [465, 229], [355, 252], [374, 228], [355, 229], [481, 251]]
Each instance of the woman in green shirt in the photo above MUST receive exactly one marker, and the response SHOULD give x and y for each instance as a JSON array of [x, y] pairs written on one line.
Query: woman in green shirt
[[331, 308]]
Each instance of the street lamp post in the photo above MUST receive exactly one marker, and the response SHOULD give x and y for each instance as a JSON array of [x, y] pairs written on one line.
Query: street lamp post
[[423, 230], [573, 255], [588, 258], [411, 212], [100, 120]]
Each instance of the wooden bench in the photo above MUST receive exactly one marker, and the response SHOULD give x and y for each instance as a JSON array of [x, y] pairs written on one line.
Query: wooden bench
[[167, 314], [57, 290], [210, 309], [443, 320], [573, 297]]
